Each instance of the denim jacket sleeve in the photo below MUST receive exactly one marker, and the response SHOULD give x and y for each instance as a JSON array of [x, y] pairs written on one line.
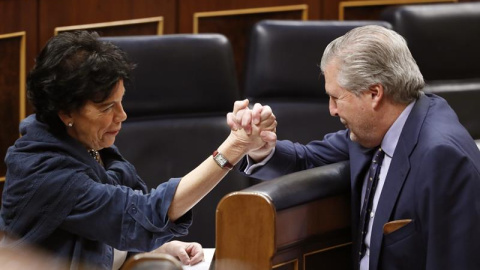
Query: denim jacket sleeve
[[124, 218]]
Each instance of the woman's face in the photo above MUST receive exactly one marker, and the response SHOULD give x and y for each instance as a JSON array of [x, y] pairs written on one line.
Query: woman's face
[[96, 125]]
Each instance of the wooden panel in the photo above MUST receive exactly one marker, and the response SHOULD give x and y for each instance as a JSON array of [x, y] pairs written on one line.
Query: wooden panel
[[245, 229], [236, 25], [214, 21], [332, 258], [18, 16], [145, 26], [320, 226], [58, 13], [251, 234], [313, 216], [187, 8], [370, 10], [12, 89]]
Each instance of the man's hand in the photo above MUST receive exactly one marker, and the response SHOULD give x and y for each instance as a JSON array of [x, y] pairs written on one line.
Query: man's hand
[[256, 127]]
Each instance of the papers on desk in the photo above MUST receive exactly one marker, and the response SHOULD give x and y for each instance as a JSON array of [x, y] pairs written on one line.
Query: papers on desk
[[205, 265]]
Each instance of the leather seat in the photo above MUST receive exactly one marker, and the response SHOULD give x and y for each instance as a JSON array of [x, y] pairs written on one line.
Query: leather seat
[[283, 71], [444, 40], [182, 89], [179, 74]]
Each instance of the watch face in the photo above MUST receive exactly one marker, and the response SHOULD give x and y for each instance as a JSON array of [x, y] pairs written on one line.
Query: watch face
[[221, 160]]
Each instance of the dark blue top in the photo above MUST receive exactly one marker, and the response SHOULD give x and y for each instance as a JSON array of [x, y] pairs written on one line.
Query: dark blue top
[[58, 197]]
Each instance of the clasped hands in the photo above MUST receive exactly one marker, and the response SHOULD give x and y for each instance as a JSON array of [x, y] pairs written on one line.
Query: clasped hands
[[255, 128]]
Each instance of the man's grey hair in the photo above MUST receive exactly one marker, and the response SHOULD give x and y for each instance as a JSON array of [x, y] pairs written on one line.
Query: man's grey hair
[[371, 55]]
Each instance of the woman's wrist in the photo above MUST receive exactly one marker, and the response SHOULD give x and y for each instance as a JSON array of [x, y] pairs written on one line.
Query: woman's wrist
[[233, 148]]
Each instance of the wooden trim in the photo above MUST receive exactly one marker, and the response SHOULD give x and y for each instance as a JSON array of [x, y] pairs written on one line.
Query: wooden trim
[[295, 261], [22, 58], [12, 35], [159, 21], [22, 91], [221, 13], [234, 212], [346, 4]]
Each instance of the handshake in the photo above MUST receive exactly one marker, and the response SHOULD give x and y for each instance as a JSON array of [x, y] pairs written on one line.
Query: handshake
[[254, 130]]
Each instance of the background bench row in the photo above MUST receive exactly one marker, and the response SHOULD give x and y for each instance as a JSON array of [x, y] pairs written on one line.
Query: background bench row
[[185, 84]]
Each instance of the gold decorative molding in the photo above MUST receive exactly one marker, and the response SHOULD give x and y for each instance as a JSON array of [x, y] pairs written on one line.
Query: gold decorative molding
[[22, 58], [198, 15], [22, 102], [323, 250], [295, 262], [158, 20], [347, 4]]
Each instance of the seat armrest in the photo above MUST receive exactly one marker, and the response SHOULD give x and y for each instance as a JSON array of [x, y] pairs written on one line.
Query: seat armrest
[[301, 220], [312, 184]]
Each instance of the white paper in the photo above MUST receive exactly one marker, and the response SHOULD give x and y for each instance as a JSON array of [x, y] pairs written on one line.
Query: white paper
[[208, 255]]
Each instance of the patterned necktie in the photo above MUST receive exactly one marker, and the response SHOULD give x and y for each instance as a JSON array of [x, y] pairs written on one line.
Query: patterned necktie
[[372, 181]]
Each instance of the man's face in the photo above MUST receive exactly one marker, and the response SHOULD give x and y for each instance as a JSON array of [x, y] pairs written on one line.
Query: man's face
[[355, 112]]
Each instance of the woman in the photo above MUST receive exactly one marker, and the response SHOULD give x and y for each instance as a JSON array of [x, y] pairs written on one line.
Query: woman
[[69, 190]]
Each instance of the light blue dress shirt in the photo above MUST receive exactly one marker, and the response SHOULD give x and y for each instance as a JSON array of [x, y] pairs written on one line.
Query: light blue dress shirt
[[389, 143]]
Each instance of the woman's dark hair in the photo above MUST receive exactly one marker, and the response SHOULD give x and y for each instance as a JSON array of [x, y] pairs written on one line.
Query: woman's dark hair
[[71, 69]]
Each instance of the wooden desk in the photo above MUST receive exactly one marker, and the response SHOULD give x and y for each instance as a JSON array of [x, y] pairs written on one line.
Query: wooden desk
[[299, 221]]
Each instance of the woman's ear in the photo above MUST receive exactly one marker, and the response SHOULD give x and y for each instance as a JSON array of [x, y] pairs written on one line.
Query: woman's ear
[[66, 118], [376, 94]]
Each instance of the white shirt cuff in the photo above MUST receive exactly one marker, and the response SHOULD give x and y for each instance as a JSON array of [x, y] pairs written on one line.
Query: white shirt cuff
[[252, 166]]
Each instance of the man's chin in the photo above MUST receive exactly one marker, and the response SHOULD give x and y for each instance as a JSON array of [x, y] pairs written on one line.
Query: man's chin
[[364, 143], [353, 137]]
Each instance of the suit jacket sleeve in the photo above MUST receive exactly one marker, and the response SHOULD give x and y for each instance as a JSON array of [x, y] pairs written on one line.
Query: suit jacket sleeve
[[291, 157]]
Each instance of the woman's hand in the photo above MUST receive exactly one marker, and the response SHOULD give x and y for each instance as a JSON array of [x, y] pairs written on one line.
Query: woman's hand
[[255, 128], [187, 253]]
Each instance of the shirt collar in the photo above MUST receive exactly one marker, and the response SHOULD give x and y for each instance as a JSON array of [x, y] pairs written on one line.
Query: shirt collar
[[389, 142]]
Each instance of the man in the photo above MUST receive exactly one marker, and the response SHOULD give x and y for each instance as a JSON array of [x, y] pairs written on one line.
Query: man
[[425, 209]]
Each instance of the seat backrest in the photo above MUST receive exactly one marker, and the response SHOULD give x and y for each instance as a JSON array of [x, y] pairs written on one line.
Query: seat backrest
[[464, 99], [179, 74], [181, 91], [284, 57], [283, 71], [444, 40]]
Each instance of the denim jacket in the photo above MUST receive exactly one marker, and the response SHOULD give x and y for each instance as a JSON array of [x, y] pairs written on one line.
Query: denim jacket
[[58, 197]]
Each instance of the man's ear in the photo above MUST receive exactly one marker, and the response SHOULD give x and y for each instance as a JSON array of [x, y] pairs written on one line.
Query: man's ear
[[65, 117], [376, 94]]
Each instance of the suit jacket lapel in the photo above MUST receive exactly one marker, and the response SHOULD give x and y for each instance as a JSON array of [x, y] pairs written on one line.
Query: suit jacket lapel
[[397, 173]]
